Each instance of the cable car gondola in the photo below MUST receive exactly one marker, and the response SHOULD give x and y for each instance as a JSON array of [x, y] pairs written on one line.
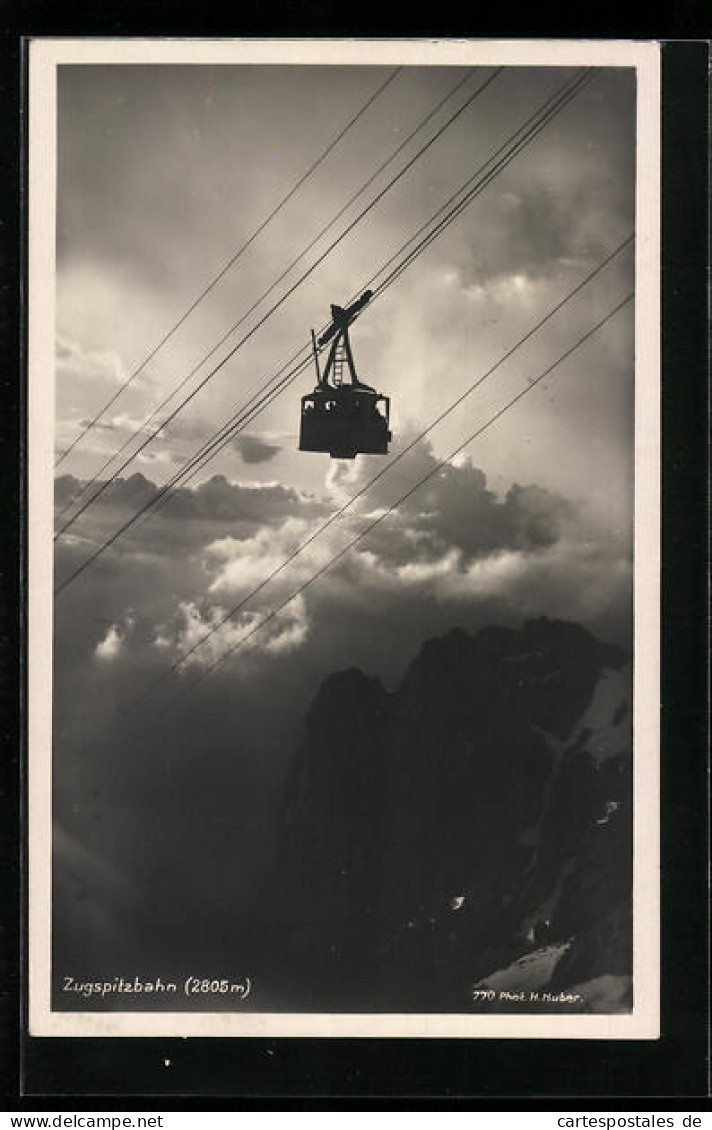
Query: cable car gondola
[[343, 418]]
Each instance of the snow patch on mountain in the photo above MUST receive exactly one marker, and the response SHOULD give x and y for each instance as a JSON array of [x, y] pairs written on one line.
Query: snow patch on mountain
[[607, 993], [532, 971], [605, 726]]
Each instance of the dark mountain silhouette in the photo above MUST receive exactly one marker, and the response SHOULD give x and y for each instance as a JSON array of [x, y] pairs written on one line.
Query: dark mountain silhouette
[[470, 828]]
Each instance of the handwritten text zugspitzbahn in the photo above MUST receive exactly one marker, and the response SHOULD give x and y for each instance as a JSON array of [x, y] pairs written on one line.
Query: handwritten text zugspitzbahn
[[192, 986]]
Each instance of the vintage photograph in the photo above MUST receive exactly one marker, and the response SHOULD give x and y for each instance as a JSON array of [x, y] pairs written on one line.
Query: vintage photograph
[[343, 426]]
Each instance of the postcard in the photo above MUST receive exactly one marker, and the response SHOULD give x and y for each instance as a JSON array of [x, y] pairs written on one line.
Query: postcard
[[344, 519]]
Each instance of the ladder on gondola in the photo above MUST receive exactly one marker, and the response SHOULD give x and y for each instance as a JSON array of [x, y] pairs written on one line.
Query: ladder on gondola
[[343, 418]]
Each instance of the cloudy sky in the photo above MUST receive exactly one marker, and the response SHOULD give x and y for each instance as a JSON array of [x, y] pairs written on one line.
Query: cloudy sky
[[163, 173]]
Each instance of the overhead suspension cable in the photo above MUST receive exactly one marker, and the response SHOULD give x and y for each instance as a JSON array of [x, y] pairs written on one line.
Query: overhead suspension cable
[[334, 219], [230, 263], [211, 448], [237, 423], [552, 105], [532, 128], [388, 466], [186, 691], [246, 337]]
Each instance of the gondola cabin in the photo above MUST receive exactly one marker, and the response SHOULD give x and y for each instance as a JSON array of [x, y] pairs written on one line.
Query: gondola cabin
[[343, 418], [345, 423]]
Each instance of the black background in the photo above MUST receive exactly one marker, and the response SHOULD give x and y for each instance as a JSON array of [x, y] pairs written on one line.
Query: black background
[[320, 1074]]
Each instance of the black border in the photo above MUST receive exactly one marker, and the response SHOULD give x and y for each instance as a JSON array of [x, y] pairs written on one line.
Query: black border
[[12, 563], [397, 1074]]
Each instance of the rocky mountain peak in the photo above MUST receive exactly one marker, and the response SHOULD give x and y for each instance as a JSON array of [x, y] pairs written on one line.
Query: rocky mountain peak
[[443, 829]]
